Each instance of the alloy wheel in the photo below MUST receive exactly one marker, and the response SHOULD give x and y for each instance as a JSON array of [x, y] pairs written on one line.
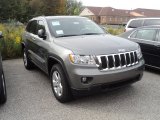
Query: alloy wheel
[[57, 85]]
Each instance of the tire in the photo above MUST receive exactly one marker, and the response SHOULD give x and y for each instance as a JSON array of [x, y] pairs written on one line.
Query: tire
[[3, 93], [27, 62], [59, 84]]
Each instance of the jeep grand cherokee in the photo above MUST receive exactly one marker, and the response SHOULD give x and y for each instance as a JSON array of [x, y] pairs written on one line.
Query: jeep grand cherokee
[[79, 56]]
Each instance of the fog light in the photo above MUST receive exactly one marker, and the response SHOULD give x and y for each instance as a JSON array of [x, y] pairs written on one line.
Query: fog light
[[84, 80]]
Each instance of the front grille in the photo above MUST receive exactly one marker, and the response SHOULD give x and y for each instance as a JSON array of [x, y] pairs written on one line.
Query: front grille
[[116, 61]]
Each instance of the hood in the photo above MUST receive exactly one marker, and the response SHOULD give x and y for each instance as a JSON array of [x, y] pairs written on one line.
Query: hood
[[96, 44]]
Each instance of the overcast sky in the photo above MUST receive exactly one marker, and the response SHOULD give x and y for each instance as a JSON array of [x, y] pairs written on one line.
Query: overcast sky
[[123, 4]]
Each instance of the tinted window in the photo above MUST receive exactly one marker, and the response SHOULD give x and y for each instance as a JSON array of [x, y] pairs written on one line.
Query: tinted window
[[32, 26], [151, 22], [135, 23], [146, 34], [28, 27], [73, 26]]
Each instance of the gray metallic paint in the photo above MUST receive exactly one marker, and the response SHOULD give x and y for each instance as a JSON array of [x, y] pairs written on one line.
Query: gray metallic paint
[[85, 45]]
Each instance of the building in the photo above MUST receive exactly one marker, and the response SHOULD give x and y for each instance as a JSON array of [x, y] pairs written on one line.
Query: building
[[109, 15]]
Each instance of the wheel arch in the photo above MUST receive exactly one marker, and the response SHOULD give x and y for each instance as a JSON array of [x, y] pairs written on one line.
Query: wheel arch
[[52, 60]]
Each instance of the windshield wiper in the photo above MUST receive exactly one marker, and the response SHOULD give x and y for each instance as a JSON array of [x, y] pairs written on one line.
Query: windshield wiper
[[91, 33], [67, 35], [80, 34]]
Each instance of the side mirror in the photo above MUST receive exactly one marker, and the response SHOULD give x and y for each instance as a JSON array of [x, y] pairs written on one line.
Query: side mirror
[[1, 34], [42, 34]]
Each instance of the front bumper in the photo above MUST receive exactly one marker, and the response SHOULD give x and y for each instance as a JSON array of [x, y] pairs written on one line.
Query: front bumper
[[102, 78]]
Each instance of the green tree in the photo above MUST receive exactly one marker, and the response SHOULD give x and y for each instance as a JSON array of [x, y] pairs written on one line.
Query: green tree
[[14, 9], [73, 7], [48, 7], [23, 10]]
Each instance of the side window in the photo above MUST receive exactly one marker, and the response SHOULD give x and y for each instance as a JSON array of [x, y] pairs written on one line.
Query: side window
[[135, 23], [146, 34], [148, 22], [41, 25], [31, 27], [28, 27]]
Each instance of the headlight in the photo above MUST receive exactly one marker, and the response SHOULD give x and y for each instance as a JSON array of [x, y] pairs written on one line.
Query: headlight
[[82, 59], [139, 53]]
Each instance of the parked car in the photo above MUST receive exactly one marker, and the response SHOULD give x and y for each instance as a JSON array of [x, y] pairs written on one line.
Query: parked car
[[3, 93], [148, 38], [79, 56], [139, 22]]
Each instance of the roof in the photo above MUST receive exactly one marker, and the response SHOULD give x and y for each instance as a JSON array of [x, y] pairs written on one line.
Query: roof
[[148, 12], [95, 10], [55, 17], [136, 14], [114, 12], [109, 11]]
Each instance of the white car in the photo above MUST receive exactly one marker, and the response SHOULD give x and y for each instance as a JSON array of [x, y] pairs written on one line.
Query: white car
[[139, 22]]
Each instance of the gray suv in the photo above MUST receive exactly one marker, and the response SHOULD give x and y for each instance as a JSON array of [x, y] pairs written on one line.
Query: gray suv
[[79, 56]]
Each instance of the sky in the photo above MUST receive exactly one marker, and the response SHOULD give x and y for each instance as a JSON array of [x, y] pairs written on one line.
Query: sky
[[123, 4]]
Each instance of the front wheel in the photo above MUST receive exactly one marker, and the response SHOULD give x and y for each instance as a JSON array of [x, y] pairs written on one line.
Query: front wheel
[[59, 84], [3, 93], [27, 62]]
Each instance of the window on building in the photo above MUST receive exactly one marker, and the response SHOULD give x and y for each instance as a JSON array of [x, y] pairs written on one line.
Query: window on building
[[126, 12], [115, 19], [126, 19], [110, 19]]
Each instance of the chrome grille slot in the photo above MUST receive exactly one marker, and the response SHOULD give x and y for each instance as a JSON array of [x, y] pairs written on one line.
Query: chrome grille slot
[[123, 60], [136, 58], [132, 58], [111, 61], [104, 62], [117, 61], [128, 62]]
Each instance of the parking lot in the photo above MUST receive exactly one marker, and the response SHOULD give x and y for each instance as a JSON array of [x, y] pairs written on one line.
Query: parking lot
[[30, 98]]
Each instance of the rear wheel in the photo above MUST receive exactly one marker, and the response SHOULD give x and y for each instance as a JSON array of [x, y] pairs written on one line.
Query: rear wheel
[[60, 86], [27, 62], [3, 93]]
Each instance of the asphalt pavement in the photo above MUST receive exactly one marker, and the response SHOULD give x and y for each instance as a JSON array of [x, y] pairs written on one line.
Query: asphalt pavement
[[30, 97]]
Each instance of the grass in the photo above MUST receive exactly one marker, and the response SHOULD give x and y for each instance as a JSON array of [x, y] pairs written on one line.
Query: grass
[[115, 31]]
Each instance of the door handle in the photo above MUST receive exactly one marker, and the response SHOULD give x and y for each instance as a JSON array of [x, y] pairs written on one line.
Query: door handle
[[33, 38]]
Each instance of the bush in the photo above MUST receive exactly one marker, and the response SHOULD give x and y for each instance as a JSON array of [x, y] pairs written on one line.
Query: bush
[[10, 45], [115, 31]]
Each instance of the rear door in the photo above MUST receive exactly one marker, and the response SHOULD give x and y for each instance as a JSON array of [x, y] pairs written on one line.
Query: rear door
[[30, 38], [147, 40]]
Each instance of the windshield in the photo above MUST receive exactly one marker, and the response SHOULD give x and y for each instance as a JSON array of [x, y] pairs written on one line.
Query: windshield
[[64, 27]]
